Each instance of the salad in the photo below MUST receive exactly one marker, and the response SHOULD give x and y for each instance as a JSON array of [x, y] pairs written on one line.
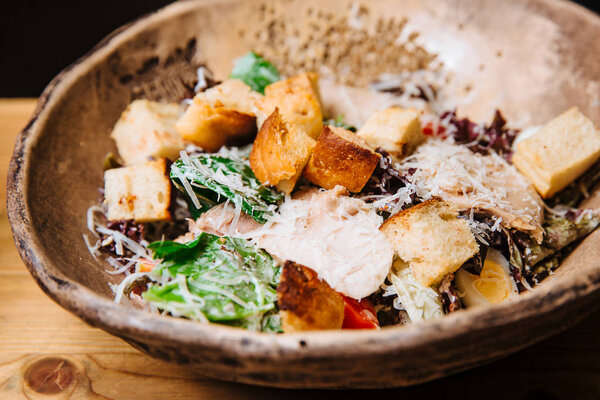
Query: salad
[[251, 205]]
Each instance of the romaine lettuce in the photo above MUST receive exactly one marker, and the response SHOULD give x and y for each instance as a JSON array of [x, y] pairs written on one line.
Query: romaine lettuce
[[255, 71], [214, 279], [214, 178]]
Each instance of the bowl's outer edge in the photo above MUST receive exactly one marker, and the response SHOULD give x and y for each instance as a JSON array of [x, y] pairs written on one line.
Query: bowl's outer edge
[[241, 354]]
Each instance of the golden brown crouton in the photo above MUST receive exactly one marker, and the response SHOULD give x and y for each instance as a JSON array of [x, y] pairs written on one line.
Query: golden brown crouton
[[280, 153], [306, 302], [431, 238], [298, 101], [233, 94], [341, 158], [147, 129], [141, 192], [212, 127], [558, 153], [396, 130]]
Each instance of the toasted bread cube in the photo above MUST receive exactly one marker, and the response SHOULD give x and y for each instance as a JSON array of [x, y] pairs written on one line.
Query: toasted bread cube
[[306, 302], [396, 130], [431, 238], [233, 94], [280, 153], [141, 192], [147, 129], [212, 127], [558, 153], [342, 158], [298, 101]]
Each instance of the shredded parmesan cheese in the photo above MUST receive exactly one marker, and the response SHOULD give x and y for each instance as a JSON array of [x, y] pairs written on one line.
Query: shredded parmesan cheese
[[474, 182], [202, 84], [121, 243], [93, 249], [125, 283]]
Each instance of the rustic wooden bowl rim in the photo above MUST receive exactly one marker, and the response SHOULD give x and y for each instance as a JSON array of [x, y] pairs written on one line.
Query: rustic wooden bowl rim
[[103, 312]]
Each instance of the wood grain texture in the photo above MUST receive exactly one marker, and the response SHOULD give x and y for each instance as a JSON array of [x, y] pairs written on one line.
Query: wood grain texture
[[33, 329]]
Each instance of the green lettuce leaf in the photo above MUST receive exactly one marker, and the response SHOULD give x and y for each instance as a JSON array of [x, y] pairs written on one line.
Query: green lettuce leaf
[[339, 122], [562, 230], [215, 178], [255, 71], [214, 278]]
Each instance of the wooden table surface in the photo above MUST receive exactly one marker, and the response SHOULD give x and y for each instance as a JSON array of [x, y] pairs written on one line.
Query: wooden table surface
[[37, 338]]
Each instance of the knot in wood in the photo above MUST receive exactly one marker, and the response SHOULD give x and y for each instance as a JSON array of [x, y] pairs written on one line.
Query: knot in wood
[[50, 375]]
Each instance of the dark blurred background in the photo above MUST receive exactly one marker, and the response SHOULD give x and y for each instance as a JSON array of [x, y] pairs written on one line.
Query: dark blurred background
[[39, 38]]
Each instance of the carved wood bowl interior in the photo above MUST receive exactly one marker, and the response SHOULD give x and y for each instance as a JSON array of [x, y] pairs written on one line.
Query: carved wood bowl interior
[[533, 59]]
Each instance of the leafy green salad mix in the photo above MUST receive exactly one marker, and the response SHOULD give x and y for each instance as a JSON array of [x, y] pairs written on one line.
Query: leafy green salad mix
[[232, 281]]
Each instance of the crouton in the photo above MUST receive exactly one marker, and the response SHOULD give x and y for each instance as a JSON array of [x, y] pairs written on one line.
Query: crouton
[[341, 158], [558, 153], [141, 192], [298, 101], [396, 130], [431, 238], [147, 129], [233, 94], [212, 127], [280, 153], [306, 302]]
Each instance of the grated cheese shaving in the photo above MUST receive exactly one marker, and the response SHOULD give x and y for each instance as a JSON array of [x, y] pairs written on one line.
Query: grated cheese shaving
[[474, 182], [97, 226], [93, 249], [130, 244], [416, 89], [202, 83], [125, 283]]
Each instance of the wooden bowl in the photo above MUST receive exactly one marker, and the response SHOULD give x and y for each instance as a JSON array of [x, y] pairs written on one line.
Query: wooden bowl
[[532, 58]]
